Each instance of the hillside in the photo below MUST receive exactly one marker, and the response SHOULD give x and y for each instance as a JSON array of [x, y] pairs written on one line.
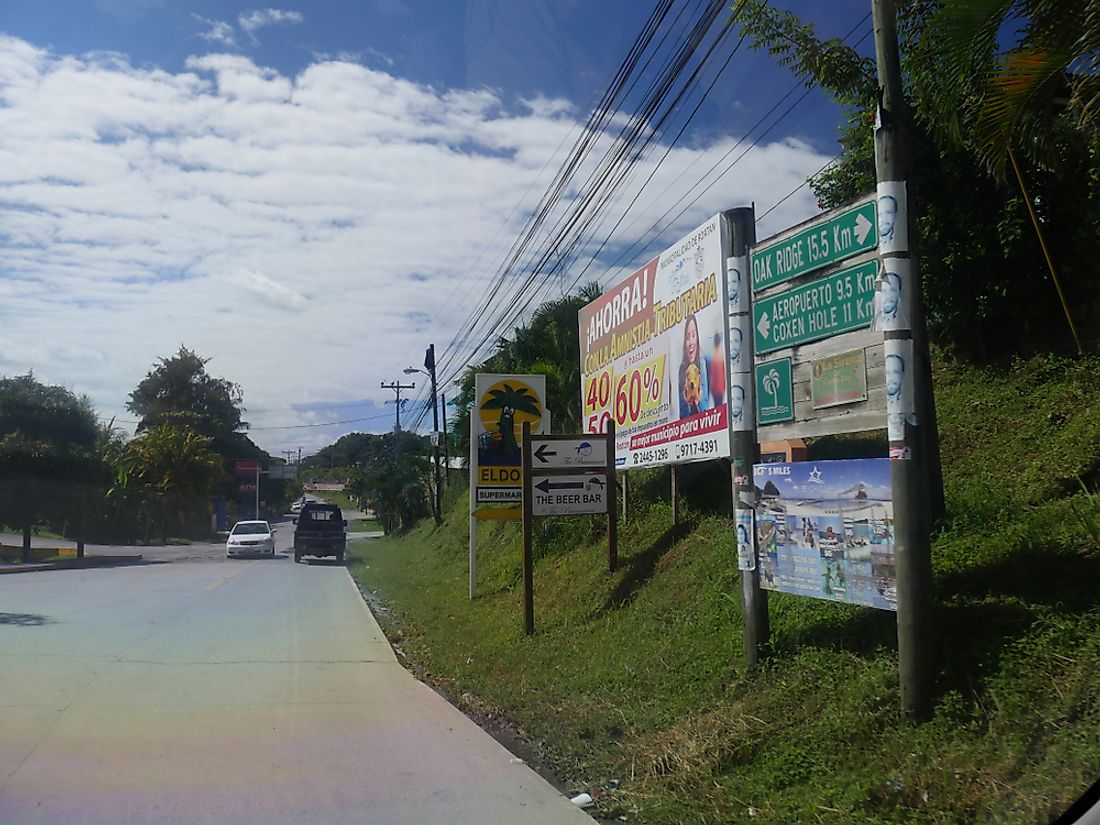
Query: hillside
[[637, 677]]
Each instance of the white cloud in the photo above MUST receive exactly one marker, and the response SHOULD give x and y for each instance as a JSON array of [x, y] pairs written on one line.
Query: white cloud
[[257, 19], [309, 233], [217, 31]]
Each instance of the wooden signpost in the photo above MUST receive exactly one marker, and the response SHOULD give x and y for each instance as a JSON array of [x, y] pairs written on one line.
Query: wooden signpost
[[566, 475]]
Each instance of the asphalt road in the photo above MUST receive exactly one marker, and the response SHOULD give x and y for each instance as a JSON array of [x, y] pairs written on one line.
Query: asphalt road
[[232, 691]]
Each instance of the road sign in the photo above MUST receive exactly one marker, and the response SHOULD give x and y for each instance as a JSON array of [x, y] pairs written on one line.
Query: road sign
[[569, 495], [551, 451], [774, 392], [828, 306], [832, 239]]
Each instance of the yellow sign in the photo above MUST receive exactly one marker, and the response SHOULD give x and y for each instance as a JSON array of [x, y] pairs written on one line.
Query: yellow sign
[[504, 404]]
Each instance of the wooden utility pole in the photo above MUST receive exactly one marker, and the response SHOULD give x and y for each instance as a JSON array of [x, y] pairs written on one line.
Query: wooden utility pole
[[910, 408]]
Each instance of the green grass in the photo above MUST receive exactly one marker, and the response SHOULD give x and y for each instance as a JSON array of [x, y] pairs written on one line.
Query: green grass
[[638, 676]]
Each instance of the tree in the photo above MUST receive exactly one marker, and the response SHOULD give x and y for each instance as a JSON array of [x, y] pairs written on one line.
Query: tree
[[48, 457], [982, 269], [998, 74], [179, 390], [395, 483], [178, 469]]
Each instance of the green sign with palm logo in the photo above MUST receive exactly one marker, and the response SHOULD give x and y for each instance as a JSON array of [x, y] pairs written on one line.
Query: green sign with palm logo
[[774, 394]]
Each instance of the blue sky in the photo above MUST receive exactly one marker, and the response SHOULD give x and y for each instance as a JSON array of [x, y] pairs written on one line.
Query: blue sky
[[308, 194]]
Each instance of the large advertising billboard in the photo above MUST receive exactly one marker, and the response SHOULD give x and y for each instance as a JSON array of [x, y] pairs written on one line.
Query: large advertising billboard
[[654, 356], [826, 529]]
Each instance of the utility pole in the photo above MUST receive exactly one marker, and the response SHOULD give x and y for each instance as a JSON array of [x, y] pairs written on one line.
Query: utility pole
[[429, 365], [741, 234], [910, 409], [446, 457], [397, 387]]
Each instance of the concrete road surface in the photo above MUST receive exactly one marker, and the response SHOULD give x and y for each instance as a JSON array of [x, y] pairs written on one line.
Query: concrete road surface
[[255, 691]]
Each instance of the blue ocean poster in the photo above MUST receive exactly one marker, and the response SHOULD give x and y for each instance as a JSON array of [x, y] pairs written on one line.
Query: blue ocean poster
[[826, 529]]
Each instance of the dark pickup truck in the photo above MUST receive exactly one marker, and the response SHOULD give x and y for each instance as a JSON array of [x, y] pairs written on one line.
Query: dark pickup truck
[[319, 531]]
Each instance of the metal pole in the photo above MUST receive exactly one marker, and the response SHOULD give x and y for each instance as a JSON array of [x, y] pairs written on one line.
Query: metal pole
[[740, 236], [429, 362], [472, 464], [257, 489], [528, 553], [906, 416]]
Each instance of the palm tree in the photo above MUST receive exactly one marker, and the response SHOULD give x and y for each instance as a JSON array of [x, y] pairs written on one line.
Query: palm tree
[[177, 466], [1000, 96], [1003, 99], [509, 401]]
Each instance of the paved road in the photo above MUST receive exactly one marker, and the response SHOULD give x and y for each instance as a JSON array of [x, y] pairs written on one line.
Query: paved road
[[232, 691]]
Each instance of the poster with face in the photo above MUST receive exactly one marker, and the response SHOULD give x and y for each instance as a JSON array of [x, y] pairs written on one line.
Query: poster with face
[[893, 218], [900, 403], [736, 289], [892, 295], [746, 546]]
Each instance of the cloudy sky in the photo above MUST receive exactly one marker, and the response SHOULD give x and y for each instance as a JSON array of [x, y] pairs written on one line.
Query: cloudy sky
[[309, 194]]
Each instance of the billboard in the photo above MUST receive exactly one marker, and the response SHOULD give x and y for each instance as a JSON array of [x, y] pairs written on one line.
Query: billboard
[[502, 403], [654, 356], [826, 529]]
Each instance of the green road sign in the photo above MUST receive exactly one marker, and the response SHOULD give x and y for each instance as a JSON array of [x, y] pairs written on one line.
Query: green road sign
[[774, 393], [853, 231], [828, 306]]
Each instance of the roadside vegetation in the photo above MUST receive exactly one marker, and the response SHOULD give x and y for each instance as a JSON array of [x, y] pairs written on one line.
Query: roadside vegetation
[[64, 471], [636, 679]]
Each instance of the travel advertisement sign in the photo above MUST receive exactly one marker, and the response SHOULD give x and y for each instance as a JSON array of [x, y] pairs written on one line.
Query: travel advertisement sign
[[502, 404], [826, 529], [654, 356]]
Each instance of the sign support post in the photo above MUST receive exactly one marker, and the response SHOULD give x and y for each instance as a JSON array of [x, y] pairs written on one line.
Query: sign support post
[[754, 601], [910, 421], [675, 497], [473, 507], [528, 554], [612, 509]]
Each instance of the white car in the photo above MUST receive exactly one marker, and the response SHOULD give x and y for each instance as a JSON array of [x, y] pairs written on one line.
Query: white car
[[249, 538]]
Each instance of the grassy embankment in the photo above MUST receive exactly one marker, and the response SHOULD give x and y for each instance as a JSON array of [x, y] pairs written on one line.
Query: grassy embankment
[[638, 676]]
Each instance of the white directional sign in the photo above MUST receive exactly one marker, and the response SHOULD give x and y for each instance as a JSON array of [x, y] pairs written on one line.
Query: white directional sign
[[549, 453], [569, 495]]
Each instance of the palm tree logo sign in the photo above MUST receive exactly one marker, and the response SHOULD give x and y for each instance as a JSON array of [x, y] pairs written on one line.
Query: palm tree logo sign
[[503, 409], [771, 385]]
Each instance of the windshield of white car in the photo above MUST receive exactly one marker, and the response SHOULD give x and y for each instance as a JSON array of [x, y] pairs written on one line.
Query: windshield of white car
[[251, 529]]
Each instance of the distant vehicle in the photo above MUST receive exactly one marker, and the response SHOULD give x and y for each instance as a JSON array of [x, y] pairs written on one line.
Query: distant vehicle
[[297, 506], [319, 531], [249, 538]]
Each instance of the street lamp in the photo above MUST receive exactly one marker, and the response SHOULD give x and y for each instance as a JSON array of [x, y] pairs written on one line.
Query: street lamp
[[429, 363]]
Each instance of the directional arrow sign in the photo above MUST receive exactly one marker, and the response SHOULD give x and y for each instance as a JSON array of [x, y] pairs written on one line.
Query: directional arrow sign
[[543, 453], [568, 495], [834, 237], [550, 452], [822, 308]]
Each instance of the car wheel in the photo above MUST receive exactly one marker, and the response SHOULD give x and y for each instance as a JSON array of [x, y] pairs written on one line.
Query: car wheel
[[339, 556], [297, 557]]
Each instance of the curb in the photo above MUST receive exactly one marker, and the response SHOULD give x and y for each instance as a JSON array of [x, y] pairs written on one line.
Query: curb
[[64, 564]]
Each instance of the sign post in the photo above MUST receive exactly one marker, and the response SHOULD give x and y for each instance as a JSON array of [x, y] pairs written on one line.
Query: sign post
[[566, 475]]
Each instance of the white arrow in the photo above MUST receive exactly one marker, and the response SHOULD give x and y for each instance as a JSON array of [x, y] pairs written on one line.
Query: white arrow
[[863, 226], [764, 326]]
